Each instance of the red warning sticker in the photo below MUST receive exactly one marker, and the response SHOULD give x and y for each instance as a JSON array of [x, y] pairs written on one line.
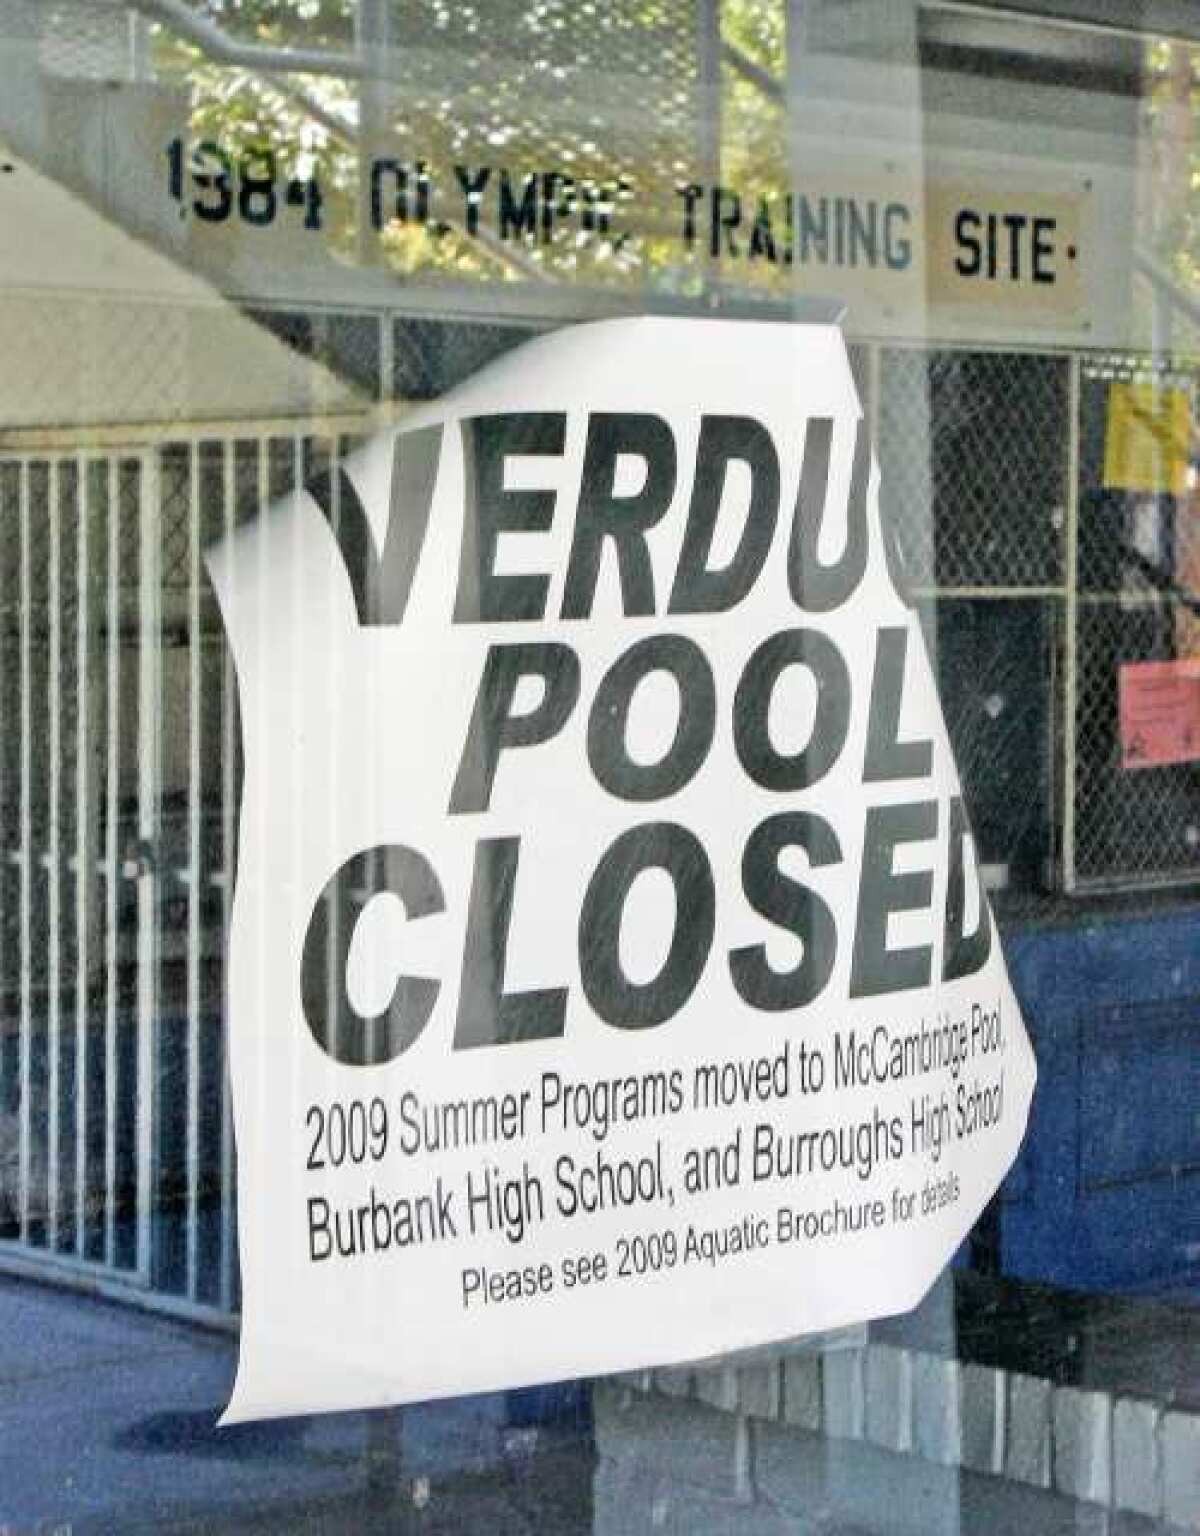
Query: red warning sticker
[[1159, 713]]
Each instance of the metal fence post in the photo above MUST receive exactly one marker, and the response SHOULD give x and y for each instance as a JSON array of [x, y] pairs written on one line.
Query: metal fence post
[[149, 750], [1071, 622]]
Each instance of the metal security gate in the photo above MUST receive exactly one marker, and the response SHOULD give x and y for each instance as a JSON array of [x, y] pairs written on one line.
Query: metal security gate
[[1042, 581], [119, 768], [974, 449], [78, 679], [119, 756], [1136, 597]]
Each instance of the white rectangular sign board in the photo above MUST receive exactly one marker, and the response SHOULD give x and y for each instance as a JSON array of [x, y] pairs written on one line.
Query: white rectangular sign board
[[611, 980]]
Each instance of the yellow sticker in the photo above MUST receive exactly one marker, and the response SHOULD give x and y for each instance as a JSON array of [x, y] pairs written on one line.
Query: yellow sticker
[[1147, 438]]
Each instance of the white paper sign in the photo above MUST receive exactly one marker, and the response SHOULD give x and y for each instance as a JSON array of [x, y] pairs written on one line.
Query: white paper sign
[[611, 982]]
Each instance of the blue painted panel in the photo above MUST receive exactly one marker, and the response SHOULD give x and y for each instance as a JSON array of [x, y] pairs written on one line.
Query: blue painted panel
[[1138, 1121], [1106, 1193]]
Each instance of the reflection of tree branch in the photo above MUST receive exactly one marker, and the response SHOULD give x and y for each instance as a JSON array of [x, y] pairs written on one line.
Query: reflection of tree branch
[[1176, 296], [1159, 578], [258, 59], [276, 64], [335, 126], [342, 131], [264, 59], [742, 64]]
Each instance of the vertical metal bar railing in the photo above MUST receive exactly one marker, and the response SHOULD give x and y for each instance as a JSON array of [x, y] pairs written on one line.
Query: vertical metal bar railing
[[52, 858], [111, 861], [228, 814], [1071, 619], [262, 498], [708, 120], [84, 862], [149, 747], [9, 610], [91, 784], [193, 874], [26, 856]]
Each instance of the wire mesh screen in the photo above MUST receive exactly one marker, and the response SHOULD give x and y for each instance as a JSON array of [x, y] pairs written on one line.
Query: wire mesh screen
[[11, 752], [559, 83], [87, 40], [976, 456], [995, 663], [972, 447], [430, 357], [347, 343], [973, 450], [1136, 811], [66, 1166]]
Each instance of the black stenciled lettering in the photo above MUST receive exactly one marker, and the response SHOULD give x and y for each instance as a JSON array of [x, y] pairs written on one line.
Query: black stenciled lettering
[[599, 199], [558, 201], [897, 246], [813, 230], [494, 727], [381, 585], [517, 217], [863, 237], [614, 998], [472, 185], [816, 587], [725, 440], [887, 757], [789, 904], [691, 195], [341, 1031], [484, 595], [725, 217], [963, 954], [762, 236], [1043, 250], [608, 723], [622, 520], [752, 706], [424, 187], [383, 171], [966, 233], [875, 968], [487, 1015], [1015, 224]]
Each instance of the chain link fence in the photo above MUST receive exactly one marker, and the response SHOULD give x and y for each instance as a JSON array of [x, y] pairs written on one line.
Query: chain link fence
[[1039, 577], [973, 450], [1050, 573], [1136, 811], [1038, 583], [88, 40]]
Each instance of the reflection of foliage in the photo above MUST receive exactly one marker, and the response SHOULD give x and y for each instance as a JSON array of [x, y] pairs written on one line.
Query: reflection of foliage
[[410, 251], [299, 23], [754, 137], [759, 29], [603, 91], [246, 113], [1171, 166]]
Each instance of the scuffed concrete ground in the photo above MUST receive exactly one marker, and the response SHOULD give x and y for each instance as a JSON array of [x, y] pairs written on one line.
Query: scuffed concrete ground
[[107, 1424]]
